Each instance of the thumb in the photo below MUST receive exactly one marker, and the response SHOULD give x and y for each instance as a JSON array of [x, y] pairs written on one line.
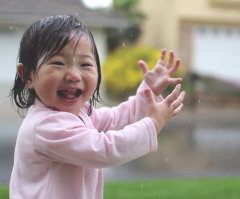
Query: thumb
[[143, 65], [149, 96]]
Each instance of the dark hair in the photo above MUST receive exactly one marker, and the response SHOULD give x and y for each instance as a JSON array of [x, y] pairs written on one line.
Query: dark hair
[[45, 38]]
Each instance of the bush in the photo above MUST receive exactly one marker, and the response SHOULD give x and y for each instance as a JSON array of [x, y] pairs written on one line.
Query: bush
[[121, 72]]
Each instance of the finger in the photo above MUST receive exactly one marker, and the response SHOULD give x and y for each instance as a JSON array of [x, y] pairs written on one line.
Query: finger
[[178, 109], [149, 96], [161, 61], [143, 65], [174, 95], [179, 100], [175, 80], [175, 68], [171, 60]]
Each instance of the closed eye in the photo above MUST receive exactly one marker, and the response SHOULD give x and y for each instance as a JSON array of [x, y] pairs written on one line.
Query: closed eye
[[85, 65], [58, 63]]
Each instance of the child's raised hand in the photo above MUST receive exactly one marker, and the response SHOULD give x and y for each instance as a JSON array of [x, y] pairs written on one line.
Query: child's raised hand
[[161, 112], [160, 77]]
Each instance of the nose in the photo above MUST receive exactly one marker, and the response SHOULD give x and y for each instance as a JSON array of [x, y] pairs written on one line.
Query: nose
[[73, 75]]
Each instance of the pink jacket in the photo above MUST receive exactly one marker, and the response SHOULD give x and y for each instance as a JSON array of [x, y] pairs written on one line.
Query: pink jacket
[[59, 155]]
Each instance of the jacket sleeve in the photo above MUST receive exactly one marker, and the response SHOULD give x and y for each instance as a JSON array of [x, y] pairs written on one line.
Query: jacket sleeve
[[134, 109], [64, 138]]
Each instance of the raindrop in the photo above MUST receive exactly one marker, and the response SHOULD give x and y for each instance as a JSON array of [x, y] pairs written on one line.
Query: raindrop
[[76, 14], [166, 159], [123, 44], [199, 101], [142, 186], [11, 28], [12, 2]]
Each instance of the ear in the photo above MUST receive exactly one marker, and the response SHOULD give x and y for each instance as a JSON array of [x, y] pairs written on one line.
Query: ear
[[29, 82], [20, 70]]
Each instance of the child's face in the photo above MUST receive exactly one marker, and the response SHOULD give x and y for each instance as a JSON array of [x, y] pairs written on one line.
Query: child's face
[[67, 80]]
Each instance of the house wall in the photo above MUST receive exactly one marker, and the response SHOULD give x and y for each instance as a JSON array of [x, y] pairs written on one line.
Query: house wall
[[164, 17], [100, 38], [9, 39]]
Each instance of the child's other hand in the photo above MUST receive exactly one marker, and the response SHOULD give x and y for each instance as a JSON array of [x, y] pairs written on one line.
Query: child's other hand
[[160, 77], [161, 112]]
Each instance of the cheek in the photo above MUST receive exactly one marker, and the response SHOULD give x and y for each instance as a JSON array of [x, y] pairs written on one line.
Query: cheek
[[93, 80], [45, 86], [92, 85]]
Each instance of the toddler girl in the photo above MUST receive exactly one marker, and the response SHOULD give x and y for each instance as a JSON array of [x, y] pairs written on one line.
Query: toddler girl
[[64, 142]]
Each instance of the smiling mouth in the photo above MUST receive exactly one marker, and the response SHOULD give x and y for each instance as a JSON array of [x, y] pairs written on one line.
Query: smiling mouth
[[70, 93]]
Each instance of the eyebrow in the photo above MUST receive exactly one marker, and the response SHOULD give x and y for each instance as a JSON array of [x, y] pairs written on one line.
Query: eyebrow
[[79, 54]]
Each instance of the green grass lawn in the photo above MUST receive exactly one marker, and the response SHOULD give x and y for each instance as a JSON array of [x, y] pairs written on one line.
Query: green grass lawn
[[205, 188], [4, 192], [217, 188]]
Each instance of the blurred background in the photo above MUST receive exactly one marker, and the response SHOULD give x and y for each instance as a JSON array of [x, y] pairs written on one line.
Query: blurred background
[[204, 140]]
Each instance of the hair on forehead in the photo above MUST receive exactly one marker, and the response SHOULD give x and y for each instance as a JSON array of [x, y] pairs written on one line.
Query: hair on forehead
[[56, 32]]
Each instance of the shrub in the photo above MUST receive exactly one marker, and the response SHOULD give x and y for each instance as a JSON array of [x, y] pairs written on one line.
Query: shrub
[[121, 72]]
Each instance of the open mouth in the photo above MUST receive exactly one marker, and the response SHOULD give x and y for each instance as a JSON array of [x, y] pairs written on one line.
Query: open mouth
[[70, 93]]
